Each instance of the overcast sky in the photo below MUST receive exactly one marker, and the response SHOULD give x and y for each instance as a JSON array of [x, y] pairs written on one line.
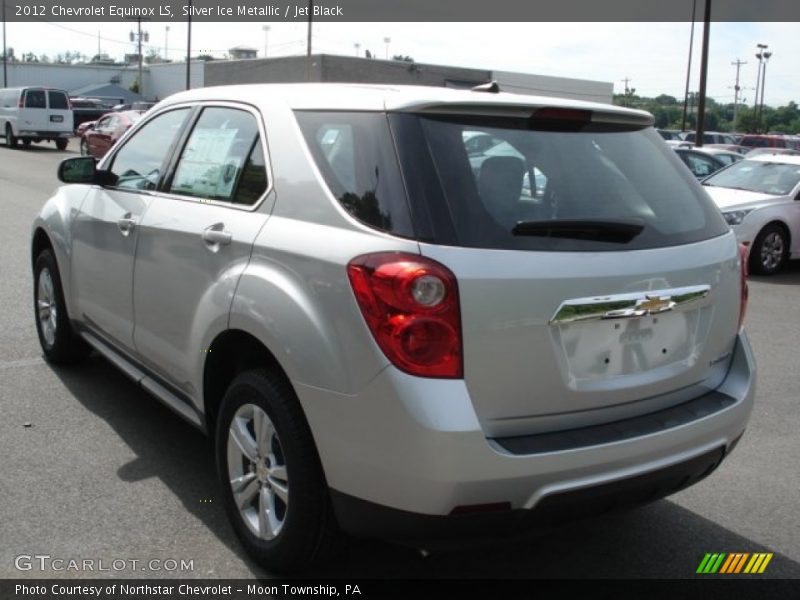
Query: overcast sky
[[652, 55]]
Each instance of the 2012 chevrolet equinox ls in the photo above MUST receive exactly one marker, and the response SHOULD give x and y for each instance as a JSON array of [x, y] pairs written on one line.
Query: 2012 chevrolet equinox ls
[[406, 312]]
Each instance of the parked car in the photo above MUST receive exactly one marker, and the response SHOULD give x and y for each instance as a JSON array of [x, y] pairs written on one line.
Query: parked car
[[35, 114], [86, 110], [728, 147], [765, 141], [140, 106], [381, 340], [760, 199], [700, 163], [711, 137], [98, 137], [773, 151], [722, 154], [670, 134]]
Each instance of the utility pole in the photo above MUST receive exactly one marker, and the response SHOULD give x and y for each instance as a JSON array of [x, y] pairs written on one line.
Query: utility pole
[[189, 49], [139, 35], [738, 64], [308, 40], [166, 43], [688, 67], [5, 49], [701, 105], [629, 91], [266, 40]]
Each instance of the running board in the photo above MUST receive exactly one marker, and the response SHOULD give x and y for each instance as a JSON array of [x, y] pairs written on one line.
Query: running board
[[145, 381]]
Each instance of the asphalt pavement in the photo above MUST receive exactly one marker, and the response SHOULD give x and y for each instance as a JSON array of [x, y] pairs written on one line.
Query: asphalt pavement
[[94, 468]]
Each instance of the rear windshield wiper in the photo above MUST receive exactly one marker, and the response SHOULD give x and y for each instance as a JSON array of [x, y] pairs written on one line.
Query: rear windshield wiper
[[619, 231]]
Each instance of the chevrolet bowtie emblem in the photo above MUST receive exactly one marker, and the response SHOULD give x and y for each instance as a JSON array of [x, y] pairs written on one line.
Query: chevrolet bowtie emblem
[[656, 304]]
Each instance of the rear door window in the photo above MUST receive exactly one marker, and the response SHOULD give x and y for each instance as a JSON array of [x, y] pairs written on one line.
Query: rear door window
[[35, 99], [58, 100]]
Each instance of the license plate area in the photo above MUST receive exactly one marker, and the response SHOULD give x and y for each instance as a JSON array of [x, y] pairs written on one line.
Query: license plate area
[[56, 119], [632, 351]]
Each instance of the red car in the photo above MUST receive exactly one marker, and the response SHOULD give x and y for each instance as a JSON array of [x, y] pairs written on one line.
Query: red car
[[98, 137]]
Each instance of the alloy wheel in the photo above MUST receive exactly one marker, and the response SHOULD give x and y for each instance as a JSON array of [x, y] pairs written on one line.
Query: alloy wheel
[[46, 306], [257, 470]]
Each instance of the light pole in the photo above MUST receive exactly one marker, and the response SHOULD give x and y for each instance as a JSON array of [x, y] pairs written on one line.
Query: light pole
[[357, 46], [266, 40], [736, 88], [138, 36], [688, 68], [5, 50], [387, 41], [763, 85], [189, 49], [166, 43], [760, 57]]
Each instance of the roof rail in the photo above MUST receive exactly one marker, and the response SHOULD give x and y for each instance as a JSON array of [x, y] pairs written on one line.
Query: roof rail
[[490, 87]]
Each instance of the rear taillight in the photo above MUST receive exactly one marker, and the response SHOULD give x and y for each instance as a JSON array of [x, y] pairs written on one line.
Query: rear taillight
[[410, 304], [745, 292]]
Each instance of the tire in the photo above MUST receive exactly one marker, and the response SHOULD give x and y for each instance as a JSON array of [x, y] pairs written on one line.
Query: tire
[[84, 148], [26, 142], [770, 250], [11, 139], [289, 482], [61, 143], [60, 343]]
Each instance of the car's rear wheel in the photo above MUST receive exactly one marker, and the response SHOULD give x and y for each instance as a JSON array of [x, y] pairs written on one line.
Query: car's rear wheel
[[11, 139], [60, 343], [770, 250], [26, 142], [274, 489], [61, 143]]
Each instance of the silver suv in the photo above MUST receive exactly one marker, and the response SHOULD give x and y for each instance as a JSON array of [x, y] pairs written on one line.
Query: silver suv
[[406, 312]]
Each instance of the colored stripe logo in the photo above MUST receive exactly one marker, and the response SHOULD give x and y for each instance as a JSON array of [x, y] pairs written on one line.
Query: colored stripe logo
[[734, 563]]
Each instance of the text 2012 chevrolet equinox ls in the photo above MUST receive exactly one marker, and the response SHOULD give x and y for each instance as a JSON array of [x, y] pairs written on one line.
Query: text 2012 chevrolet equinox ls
[[406, 312]]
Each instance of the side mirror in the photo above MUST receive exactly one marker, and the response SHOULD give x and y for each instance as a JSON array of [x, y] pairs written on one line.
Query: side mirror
[[82, 169]]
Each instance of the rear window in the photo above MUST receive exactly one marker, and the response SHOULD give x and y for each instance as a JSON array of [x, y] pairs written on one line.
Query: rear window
[[498, 183], [35, 99], [58, 100]]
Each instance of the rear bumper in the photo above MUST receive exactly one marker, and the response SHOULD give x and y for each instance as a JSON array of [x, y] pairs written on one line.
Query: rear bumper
[[50, 135], [367, 519], [407, 453]]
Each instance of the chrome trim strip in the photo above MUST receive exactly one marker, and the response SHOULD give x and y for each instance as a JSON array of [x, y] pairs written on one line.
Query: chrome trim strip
[[627, 306]]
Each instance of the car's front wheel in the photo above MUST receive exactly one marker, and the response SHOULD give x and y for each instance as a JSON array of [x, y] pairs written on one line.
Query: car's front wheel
[[60, 343], [274, 489], [770, 250]]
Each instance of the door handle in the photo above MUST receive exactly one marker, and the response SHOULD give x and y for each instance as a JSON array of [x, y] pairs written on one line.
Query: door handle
[[216, 236], [126, 224]]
